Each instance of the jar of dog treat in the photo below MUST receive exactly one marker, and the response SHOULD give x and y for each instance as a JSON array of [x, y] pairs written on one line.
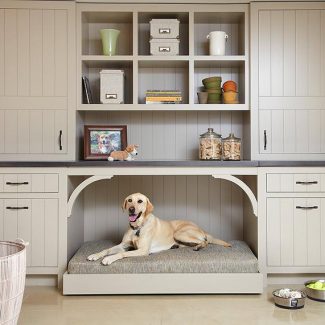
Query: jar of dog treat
[[210, 146], [231, 147]]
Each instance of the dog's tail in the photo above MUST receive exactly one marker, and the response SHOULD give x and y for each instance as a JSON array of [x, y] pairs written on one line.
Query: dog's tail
[[215, 241]]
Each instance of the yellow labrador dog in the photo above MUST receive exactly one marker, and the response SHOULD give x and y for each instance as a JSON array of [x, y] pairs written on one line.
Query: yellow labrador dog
[[148, 234]]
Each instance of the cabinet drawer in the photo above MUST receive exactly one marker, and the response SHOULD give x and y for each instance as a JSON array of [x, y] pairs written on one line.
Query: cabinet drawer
[[296, 232], [299, 183], [35, 221], [29, 183]]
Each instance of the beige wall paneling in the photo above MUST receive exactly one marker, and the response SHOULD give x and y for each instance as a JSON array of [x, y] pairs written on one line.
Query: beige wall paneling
[[37, 87], [215, 205]]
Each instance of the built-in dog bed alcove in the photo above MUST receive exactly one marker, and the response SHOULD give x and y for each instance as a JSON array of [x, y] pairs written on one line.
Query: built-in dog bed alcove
[[218, 204]]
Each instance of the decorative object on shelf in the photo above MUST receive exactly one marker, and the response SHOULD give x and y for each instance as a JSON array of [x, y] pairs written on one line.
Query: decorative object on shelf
[[210, 146], [231, 148], [109, 40], [88, 98], [164, 46], [112, 86], [217, 42], [128, 154], [213, 88], [164, 34], [203, 97], [229, 86], [164, 28], [101, 140], [230, 94], [163, 97]]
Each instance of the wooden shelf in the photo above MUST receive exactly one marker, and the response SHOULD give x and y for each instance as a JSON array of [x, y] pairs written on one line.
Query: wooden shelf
[[163, 107], [105, 58]]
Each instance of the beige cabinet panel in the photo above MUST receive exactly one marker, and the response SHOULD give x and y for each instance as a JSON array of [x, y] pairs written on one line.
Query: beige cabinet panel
[[288, 43], [295, 232], [35, 57], [34, 132], [35, 221], [37, 80]]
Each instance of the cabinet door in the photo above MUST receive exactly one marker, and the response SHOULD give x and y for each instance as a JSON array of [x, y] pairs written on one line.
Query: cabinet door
[[35, 221], [295, 231], [288, 78], [37, 97], [30, 132]]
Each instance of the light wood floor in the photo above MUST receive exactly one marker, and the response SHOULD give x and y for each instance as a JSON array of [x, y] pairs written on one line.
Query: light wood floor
[[46, 306]]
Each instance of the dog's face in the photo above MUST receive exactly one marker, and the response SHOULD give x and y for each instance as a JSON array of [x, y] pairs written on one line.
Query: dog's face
[[138, 206], [103, 139], [132, 149]]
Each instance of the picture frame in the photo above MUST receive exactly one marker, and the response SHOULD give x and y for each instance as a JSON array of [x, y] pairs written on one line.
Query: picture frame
[[101, 140]]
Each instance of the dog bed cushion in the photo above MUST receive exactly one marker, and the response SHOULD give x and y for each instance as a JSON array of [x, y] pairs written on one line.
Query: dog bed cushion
[[212, 259]]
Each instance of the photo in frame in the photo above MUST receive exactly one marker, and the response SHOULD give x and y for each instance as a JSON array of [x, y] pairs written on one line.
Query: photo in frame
[[101, 140]]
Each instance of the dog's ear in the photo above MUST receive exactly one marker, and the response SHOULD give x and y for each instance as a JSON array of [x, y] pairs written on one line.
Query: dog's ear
[[149, 208], [128, 149], [124, 204]]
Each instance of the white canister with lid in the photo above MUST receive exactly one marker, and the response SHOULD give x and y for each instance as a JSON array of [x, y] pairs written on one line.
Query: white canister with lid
[[217, 42]]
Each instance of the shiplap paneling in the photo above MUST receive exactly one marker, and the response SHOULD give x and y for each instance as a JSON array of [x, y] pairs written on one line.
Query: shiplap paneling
[[295, 236], [32, 131], [34, 47], [292, 131], [215, 205], [169, 135], [291, 53]]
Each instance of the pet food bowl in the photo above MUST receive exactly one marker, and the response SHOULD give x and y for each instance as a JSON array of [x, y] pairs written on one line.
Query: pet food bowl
[[291, 302], [315, 294]]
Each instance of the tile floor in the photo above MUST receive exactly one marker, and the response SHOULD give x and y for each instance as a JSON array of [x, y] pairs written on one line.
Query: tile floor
[[46, 306]]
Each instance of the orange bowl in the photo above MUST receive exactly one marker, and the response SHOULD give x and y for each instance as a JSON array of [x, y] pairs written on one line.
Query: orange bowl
[[229, 86]]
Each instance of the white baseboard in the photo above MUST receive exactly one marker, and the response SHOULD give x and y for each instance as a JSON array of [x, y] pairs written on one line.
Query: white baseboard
[[42, 280], [292, 278]]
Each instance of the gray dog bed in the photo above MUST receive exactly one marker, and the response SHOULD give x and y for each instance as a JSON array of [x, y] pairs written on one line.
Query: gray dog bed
[[212, 259]]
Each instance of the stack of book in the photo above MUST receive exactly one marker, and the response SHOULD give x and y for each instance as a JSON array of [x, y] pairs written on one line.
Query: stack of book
[[163, 97]]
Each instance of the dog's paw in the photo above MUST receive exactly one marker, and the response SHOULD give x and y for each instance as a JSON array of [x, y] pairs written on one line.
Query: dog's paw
[[227, 245], [93, 257], [108, 260]]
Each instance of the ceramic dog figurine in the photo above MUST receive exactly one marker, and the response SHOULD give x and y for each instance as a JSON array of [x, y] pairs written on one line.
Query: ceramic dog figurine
[[128, 154]]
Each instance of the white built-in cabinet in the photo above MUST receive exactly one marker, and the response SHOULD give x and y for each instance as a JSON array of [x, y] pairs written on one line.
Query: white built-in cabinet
[[288, 80], [37, 68]]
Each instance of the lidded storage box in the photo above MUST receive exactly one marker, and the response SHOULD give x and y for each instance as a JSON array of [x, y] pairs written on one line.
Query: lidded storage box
[[164, 28], [112, 86], [210, 145], [160, 46]]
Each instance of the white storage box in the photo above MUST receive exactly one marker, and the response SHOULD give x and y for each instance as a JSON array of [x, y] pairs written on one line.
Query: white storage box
[[164, 46], [164, 28], [112, 86]]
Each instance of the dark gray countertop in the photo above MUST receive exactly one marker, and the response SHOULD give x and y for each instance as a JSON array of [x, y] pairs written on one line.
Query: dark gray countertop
[[163, 163]]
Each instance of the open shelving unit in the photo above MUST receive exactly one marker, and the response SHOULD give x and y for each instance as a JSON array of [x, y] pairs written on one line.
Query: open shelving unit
[[144, 71]]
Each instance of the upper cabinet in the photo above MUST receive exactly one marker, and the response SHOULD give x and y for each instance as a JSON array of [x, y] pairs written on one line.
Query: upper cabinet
[[288, 80], [37, 83]]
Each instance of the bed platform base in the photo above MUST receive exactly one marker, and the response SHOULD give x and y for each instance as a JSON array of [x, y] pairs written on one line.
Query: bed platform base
[[163, 283]]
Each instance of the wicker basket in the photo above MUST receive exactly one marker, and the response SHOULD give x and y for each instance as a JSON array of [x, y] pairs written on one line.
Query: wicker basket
[[12, 280]]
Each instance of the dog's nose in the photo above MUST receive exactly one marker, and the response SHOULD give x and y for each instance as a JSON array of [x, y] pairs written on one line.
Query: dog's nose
[[136, 153], [132, 210]]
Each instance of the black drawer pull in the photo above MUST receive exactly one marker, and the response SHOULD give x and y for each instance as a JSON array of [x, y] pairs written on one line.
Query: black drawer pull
[[60, 140], [265, 140], [306, 183], [17, 183], [17, 208], [307, 208]]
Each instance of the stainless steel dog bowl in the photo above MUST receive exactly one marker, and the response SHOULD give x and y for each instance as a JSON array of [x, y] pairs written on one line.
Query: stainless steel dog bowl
[[289, 303], [315, 294]]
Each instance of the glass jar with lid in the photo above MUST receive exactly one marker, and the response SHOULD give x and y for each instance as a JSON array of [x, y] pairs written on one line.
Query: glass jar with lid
[[210, 146], [231, 147]]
